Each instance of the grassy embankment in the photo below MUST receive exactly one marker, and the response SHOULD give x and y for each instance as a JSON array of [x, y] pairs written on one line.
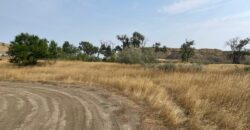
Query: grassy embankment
[[215, 98]]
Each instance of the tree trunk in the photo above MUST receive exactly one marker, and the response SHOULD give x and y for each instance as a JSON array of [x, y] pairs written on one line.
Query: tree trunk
[[236, 59]]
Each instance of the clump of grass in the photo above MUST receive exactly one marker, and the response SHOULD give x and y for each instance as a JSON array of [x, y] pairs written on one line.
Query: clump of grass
[[246, 63], [247, 69], [167, 67], [170, 67], [194, 67]]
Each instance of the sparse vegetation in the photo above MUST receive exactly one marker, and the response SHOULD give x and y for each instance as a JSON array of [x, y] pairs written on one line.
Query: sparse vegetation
[[238, 49], [171, 67], [136, 56], [247, 69], [187, 51], [186, 95], [215, 98]]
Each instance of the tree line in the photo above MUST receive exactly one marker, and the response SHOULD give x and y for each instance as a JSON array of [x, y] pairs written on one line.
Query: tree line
[[27, 49]]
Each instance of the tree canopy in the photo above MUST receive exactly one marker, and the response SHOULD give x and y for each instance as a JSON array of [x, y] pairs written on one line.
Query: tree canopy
[[187, 51], [237, 46], [88, 48], [26, 49], [137, 40]]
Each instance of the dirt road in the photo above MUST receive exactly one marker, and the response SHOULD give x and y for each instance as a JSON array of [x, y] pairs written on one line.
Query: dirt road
[[37, 106]]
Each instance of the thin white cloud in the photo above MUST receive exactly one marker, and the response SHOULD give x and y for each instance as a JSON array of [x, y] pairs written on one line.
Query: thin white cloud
[[182, 6], [232, 17]]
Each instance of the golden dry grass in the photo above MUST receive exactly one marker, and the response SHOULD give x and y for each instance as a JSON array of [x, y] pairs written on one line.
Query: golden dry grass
[[3, 48], [216, 98]]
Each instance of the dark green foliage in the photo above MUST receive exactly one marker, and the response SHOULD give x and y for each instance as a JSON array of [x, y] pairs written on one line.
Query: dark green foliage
[[247, 69], [106, 50], [158, 48], [187, 51], [69, 49], [164, 49], [88, 48], [125, 40], [117, 48], [53, 50], [66, 47], [26, 49], [136, 41], [238, 49]]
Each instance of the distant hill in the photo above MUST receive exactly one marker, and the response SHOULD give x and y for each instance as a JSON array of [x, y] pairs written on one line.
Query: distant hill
[[201, 55], [3, 48]]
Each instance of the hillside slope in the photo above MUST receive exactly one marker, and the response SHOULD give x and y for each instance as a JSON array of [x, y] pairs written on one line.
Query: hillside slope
[[201, 55], [3, 47]]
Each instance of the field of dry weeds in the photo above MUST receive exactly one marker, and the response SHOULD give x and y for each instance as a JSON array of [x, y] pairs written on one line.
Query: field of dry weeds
[[215, 98]]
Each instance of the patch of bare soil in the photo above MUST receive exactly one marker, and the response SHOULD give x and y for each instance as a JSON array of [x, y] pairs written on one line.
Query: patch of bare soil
[[37, 106]]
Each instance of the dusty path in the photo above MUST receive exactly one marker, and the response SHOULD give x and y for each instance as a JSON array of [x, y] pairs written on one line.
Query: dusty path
[[36, 106]]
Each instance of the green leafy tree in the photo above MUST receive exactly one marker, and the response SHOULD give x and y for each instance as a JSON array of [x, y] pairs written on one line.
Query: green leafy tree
[[238, 49], [157, 46], [69, 50], [53, 50], [106, 49], [66, 47], [164, 49], [88, 48], [125, 40], [187, 51], [26, 49], [118, 48], [137, 39]]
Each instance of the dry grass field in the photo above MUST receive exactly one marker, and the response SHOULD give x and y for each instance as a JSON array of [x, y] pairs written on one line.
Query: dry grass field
[[3, 48], [218, 97]]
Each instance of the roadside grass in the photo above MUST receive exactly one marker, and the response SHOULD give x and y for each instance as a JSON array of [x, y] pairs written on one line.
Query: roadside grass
[[216, 97]]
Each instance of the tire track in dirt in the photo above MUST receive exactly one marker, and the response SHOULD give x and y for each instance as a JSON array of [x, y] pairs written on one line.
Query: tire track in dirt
[[37, 106]]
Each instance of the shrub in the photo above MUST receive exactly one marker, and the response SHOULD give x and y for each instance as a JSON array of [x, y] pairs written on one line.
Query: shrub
[[189, 67], [214, 59], [247, 69], [136, 56], [85, 57], [246, 63], [167, 67], [170, 67], [26, 49]]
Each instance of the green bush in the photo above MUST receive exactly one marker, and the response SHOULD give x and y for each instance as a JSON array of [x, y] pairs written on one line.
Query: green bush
[[26, 49], [247, 69], [136, 56]]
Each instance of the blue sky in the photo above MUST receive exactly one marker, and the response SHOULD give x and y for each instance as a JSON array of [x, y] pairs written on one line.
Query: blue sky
[[209, 22]]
